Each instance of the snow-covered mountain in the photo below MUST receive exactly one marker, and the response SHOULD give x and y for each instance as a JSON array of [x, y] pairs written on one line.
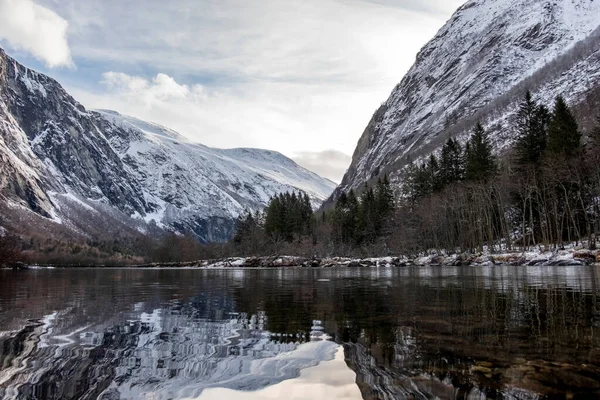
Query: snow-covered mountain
[[53, 151], [477, 67]]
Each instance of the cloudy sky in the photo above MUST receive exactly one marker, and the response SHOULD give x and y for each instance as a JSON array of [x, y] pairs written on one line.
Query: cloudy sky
[[302, 77]]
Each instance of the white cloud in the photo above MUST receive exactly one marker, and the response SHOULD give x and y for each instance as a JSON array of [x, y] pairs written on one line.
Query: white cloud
[[296, 77], [123, 82], [28, 26], [136, 89], [287, 117], [331, 164]]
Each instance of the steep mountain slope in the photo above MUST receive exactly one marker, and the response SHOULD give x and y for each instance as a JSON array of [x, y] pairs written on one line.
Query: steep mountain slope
[[183, 180], [53, 151], [483, 59]]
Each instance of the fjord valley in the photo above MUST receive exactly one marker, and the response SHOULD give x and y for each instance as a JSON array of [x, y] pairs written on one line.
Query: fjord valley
[[489, 141], [99, 179], [175, 223], [463, 158]]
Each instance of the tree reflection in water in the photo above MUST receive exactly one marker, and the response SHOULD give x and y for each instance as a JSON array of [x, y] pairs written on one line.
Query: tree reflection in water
[[501, 332]]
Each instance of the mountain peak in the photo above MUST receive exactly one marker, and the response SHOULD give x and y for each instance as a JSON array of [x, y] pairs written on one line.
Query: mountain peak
[[53, 151], [487, 49]]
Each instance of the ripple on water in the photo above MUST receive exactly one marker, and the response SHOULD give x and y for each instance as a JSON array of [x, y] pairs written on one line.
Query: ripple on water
[[490, 332]]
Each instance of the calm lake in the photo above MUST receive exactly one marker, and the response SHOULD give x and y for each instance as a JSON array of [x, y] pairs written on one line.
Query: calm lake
[[380, 333]]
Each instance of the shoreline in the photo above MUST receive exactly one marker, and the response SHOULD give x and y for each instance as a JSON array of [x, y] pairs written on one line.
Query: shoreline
[[570, 257]]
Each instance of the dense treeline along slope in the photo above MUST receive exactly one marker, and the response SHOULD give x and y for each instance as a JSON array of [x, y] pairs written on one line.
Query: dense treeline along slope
[[99, 174], [476, 68], [543, 191], [357, 224]]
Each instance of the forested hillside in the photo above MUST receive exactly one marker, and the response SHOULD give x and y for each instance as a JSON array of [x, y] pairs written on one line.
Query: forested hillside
[[545, 190]]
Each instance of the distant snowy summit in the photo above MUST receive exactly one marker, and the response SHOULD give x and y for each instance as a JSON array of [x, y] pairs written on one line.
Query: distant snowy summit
[[476, 68], [65, 164]]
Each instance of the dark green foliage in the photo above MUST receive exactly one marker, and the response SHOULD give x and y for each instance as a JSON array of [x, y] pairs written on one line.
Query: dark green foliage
[[564, 137], [368, 220], [288, 216], [345, 218], [410, 189], [476, 163], [532, 126], [384, 196], [422, 180], [481, 164], [360, 221], [433, 174], [247, 226], [530, 146], [452, 163]]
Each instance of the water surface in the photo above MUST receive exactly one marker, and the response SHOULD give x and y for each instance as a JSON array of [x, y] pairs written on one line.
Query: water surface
[[380, 333]]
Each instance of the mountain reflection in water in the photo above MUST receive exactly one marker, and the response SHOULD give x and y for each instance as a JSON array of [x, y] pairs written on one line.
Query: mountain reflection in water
[[447, 332]]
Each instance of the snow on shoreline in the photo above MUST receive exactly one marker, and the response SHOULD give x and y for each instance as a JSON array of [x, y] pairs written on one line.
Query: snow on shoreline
[[538, 257], [528, 258]]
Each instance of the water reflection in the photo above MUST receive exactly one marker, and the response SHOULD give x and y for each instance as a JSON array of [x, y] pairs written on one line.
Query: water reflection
[[492, 332], [328, 380]]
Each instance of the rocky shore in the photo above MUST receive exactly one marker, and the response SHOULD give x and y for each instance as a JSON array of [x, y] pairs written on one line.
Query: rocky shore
[[570, 257], [533, 258]]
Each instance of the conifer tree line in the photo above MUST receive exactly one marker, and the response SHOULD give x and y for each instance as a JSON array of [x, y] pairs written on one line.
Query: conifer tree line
[[287, 218], [360, 220], [474, 163], [545, 190], [288, 223]]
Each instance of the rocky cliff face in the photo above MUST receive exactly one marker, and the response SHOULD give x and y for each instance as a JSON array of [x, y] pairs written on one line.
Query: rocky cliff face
[[186, 182], [53, 150], [70, 152], [477, 65]]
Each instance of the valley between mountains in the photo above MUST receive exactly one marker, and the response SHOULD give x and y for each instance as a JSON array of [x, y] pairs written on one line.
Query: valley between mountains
[[78, 181]]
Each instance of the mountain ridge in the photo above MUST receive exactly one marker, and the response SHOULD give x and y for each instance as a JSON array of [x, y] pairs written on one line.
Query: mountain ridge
[[53, 149], [484, 51]]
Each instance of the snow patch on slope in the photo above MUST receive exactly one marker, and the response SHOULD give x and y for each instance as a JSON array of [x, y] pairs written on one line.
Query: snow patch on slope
[[68, 164], [181, 178]]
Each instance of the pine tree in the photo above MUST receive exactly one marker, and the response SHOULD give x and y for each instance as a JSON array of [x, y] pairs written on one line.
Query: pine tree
[[384, 197], [481, 164], [433, 174], [247, 225], [345, 217], [289, 216], [451, 163], [307, 216], [409, 188], [368, 216], [423, 181], [384, 200], [351, 222], [564, 137], [532, 125]]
